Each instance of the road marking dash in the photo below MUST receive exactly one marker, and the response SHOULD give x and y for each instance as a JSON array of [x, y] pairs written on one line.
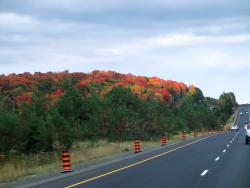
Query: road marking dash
[[217, 158], [204, 172]]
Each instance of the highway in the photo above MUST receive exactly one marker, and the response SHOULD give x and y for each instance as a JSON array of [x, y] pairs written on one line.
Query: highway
[[218, 161]]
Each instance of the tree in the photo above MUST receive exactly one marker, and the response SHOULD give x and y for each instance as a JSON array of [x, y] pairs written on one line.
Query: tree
[[43, 111], [10, 131], [121, 105], [36, 130], [225, 106], [67, 116]]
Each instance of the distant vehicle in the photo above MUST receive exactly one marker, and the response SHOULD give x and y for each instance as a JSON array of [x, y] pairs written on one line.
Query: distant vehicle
[[234, 128], [247, 112], [241, 113], [246, 122], [247, 128]]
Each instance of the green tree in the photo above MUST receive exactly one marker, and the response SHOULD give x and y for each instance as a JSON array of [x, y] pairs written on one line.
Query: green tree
[[121, 105], [10, 131]]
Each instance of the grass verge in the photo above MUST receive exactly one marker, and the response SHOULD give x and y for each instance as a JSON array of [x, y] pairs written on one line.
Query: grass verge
[[232, 120]]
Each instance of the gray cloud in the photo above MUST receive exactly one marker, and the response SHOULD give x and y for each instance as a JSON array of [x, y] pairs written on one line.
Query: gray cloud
[[201, 42], [120, 11]]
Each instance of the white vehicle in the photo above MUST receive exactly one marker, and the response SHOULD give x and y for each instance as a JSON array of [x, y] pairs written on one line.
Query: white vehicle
[[247, 128], [247, 112], [241, 113], [234, 127]]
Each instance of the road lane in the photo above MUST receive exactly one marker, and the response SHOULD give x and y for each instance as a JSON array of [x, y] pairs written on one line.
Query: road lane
[[234, 170]]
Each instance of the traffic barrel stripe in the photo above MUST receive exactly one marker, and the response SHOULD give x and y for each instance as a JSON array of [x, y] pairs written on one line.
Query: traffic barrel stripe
[[66, 159]]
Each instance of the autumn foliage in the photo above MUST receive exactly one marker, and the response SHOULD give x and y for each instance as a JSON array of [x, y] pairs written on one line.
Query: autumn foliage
[[44, 111], [21, 86]]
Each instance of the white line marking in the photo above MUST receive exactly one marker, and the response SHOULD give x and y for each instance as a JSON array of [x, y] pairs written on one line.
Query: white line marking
[[224, 151], [217, 158], [204, 172]]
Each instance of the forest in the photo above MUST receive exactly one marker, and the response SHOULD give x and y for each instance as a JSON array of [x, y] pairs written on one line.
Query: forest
[[42, 112]]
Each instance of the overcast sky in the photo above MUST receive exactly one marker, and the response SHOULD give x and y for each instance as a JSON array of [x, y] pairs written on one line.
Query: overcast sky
[[201, 42]]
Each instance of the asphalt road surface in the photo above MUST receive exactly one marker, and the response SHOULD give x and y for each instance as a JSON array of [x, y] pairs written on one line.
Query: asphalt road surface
[[216, 161]]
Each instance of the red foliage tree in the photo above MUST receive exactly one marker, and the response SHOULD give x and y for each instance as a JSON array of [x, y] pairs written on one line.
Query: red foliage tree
[[24, 98]]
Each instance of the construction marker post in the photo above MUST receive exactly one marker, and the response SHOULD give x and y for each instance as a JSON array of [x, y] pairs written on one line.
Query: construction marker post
[[183, 135], [137, 145], [202, 132], [195, 134], [66, 160], [164, 140]]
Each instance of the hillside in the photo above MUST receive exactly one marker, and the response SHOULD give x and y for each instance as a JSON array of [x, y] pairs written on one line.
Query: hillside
[[44, 111]]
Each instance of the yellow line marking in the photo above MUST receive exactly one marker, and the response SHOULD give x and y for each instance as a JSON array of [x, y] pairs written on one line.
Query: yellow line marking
[[134, 164]]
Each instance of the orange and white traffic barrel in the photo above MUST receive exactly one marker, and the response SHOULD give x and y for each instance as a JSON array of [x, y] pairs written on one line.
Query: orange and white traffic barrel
[[195, 133], [164, 140], [137, 145], [66, 160], [183, 135]]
